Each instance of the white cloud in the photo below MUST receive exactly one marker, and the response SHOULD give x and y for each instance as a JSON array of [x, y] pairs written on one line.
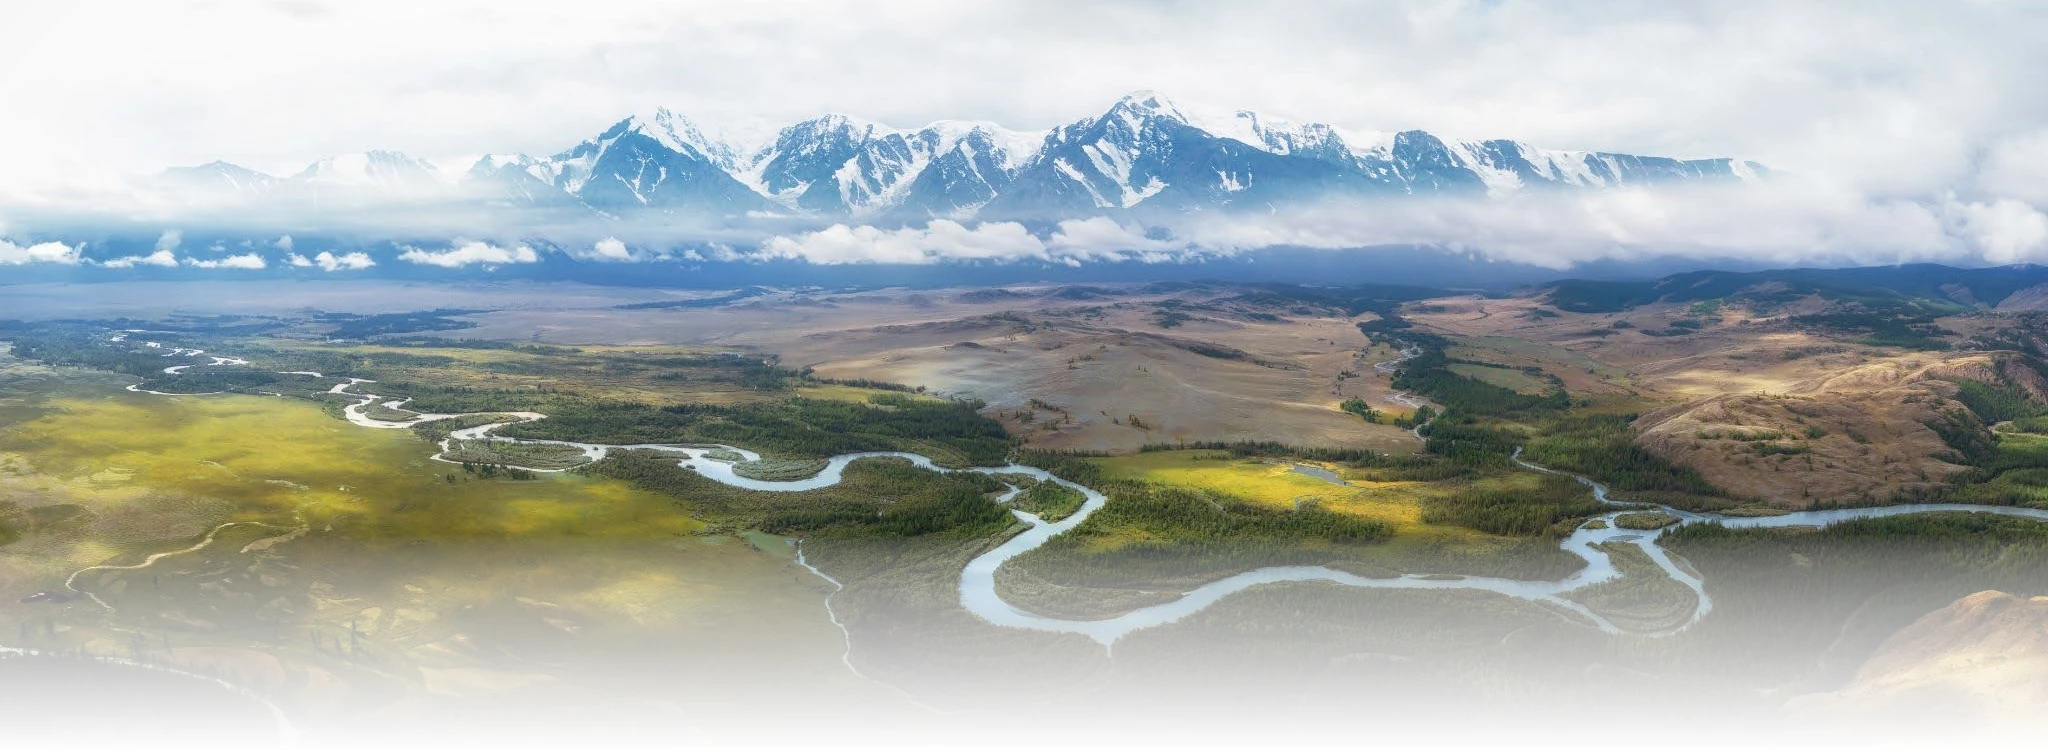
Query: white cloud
[[169, 241], [610, 249], [2005, 231], [1102, 234], [330, 262], [464, 254], [161, 258], [1774, 225], [47, 252], [941, 240], [235, 262], [283, 243], [1782, 224], [2017, 168], [167, 258], [1072, 243]]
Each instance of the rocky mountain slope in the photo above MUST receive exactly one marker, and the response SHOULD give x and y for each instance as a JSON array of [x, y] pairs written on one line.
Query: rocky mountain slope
[[1145, 153]]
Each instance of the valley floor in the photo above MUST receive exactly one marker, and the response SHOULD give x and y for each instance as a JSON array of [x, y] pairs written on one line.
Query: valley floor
[[254, 535]]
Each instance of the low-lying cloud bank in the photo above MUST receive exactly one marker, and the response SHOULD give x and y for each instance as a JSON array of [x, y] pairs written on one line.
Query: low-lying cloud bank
[[63, 254], [1780, 223], [1072, 243], [47, 252], [167, 258], [333, 262], [469, 253], [1770, 226], [235, 262]]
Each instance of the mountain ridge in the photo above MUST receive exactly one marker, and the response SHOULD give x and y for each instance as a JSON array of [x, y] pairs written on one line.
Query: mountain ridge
[[1144, 154]]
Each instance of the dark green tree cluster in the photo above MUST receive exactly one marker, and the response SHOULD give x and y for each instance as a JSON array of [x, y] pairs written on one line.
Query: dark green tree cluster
[[493, 471], [1551, 509], [941, 508], [1363, 410], [474, 344], [1188, 534], [795, 428], [1603, 446], [213, 380], [1996, 403], [365, 326], [1352, 300], [869, 384], [751, 372], [85, 347], [1269, 449], [879, 497], [884, 423], [1050, 501], [1430, 374]]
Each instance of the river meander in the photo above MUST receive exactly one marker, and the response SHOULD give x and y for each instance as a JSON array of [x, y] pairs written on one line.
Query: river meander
[[977, 586]]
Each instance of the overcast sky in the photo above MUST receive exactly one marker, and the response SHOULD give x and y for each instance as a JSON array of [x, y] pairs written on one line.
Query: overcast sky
[[1880, 99], [1891, 95]]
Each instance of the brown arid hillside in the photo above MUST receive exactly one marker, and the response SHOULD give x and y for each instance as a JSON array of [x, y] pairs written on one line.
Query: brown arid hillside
[[1768, 402], [1097, 368], [2030, 299], [1873, 431], [1761, 395], [1980, 661]]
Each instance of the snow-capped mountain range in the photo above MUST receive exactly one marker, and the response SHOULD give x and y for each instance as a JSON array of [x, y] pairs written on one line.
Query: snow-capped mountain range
[[1145, 154]]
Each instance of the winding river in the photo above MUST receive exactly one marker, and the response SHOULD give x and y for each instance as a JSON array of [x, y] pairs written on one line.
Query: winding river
[[978, 593]]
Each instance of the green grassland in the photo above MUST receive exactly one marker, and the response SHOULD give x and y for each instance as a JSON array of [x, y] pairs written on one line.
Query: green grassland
[[447, 378], [590, 394], [340, 526], [275, 456]]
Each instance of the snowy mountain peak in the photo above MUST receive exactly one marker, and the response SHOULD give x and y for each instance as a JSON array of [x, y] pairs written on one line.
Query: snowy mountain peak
[[671, 129], [494, 162], [375, 168], [217, 178], [1149, 103], [219, 168], [1145, 153], [1012, 148], [659, 161], [825, 131]]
